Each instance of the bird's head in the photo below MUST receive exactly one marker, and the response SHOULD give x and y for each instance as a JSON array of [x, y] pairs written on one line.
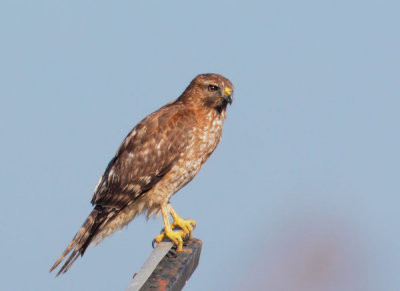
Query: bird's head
[[211, 90]]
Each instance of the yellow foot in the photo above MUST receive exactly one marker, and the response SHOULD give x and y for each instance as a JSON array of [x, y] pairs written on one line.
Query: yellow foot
[[176, 236], [185, 225]]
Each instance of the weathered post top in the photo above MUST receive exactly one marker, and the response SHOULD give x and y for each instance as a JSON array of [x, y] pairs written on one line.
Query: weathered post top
[[166, 269]]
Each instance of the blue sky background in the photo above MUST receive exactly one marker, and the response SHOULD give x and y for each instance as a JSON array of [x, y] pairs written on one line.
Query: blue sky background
[[301, 194]]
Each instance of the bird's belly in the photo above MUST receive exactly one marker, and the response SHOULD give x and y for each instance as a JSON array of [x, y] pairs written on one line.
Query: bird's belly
[[185, 168]]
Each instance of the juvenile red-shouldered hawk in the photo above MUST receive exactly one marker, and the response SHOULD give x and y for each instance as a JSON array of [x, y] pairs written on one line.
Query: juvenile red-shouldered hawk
[[158, 157]]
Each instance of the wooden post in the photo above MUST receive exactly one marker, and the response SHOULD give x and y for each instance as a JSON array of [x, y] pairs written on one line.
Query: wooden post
[[166, 269]]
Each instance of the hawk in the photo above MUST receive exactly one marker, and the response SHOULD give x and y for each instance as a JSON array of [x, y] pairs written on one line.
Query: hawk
[[158, 157]]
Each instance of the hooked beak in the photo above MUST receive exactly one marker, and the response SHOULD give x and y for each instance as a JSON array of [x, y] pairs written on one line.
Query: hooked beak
[[228, 95]]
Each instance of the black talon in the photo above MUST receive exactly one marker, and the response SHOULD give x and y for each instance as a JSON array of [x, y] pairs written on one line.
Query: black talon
[[172, 253], [186, 238]]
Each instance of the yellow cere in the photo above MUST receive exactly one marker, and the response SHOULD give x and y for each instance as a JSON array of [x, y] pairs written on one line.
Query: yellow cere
[[228, 91]]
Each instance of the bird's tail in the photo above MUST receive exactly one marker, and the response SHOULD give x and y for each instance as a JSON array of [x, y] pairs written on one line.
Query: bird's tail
[[85, 235]]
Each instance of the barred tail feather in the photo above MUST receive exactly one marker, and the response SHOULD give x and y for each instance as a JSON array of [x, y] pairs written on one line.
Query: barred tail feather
[[88, 231]]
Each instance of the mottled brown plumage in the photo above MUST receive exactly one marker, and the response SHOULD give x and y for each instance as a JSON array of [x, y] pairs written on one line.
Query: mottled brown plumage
[[158, 157]]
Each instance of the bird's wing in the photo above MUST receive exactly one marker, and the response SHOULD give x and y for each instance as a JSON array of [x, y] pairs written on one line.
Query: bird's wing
[[145, 156]]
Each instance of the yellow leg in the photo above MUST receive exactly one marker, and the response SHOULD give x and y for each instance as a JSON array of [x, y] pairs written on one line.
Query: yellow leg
[[185, 225], [176, 236]]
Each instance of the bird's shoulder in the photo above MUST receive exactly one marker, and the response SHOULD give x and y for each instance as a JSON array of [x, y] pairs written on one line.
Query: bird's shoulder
[[173, 118]]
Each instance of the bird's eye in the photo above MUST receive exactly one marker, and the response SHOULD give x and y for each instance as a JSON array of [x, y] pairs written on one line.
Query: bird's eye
[[212, 88]]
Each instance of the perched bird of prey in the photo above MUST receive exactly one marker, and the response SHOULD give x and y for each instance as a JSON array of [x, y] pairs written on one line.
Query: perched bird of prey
[[158, 157]]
